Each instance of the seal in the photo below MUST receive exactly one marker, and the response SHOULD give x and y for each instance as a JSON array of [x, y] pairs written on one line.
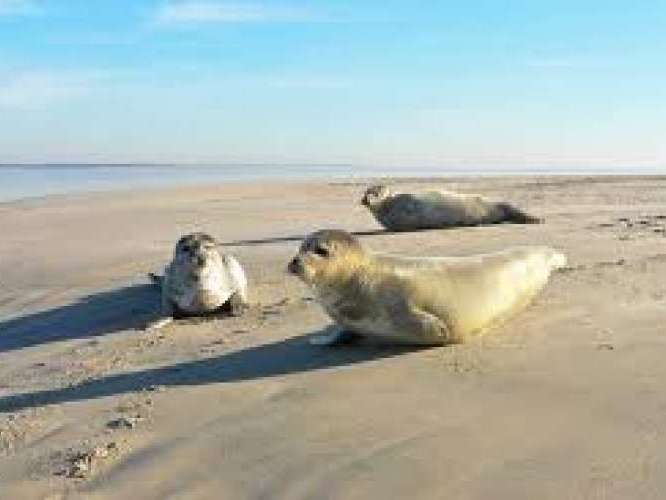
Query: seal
[[423, 300], [201, 281], [438, 209]]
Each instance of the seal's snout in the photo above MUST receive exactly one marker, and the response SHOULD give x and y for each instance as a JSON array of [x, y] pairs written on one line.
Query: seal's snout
[[295, 266]]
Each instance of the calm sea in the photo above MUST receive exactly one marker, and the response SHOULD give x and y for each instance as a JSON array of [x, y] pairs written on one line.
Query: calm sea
[[21, 181]]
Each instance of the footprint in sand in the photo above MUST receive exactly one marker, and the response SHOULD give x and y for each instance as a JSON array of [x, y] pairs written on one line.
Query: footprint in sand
[[125, 422], [637, 227], [82, 464]]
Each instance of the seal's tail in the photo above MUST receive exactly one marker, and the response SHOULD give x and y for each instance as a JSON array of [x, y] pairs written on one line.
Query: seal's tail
[[558, 260], [518, 216]]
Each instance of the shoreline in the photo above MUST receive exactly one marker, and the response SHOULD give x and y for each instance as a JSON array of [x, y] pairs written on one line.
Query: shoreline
[[343, 180]]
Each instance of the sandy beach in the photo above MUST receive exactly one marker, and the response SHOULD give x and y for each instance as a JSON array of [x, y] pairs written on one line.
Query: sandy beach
[[565, 401]]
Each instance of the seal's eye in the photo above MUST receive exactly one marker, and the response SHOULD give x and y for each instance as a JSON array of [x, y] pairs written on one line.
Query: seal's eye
[[321, 251]]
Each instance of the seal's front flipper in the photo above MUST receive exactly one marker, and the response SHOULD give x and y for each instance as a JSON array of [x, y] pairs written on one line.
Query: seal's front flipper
[[156, 279], [420, 327], [167, 313], [160, 323], [237, 304], [335, 338]]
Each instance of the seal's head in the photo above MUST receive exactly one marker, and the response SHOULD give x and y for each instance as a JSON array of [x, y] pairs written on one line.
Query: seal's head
[[375, 195], [196, 251], [326, 256]]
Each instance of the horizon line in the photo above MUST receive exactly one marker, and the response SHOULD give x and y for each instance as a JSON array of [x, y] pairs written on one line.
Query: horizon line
[[516, 166]]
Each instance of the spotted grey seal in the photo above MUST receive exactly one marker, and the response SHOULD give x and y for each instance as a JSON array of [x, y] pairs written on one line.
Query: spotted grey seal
[[438, 209], [200, 280]]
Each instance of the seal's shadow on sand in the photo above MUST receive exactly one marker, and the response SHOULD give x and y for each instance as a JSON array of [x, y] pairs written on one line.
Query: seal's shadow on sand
[[295, 237], [374, 232], [97, 314], [293, 355]]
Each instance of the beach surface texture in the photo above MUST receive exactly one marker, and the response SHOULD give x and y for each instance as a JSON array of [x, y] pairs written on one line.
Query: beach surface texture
[[565, 401]]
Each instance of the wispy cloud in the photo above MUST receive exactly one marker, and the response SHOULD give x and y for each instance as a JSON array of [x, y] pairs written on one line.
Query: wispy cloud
[[199, 12], [35, 90], [18, 8]]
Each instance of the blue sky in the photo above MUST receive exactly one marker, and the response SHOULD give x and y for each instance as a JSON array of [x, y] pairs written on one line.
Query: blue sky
[[502, 83]]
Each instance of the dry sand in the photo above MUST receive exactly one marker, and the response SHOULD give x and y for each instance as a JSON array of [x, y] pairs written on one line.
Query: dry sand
[[566, 401]]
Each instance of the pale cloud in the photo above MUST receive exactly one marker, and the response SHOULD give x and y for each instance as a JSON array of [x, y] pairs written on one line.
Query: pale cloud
[[36, 90], [18, 8], [199, 12]]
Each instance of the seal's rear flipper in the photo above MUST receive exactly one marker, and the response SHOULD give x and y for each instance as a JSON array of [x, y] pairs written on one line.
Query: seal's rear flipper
[[517, 216], [530, 219], [558, 260]]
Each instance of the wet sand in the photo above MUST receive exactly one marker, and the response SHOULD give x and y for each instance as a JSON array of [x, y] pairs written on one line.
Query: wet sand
[[564, 401]]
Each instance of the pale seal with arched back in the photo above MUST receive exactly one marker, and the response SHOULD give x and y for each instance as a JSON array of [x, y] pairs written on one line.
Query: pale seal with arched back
[[438, 209], [200, 280], [422, 300]]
